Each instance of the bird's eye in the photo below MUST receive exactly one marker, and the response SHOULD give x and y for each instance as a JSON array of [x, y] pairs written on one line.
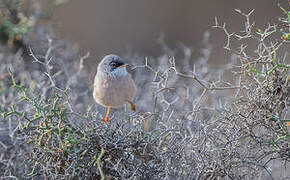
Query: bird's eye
[[114, 65]]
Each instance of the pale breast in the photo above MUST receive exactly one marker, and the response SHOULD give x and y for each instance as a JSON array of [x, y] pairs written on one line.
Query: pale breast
[[112, 91]]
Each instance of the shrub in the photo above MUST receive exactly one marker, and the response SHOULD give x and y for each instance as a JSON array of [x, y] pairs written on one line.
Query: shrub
[[191, 123]]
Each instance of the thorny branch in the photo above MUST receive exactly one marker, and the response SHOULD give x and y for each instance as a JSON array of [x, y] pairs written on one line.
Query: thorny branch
[[198, 128]]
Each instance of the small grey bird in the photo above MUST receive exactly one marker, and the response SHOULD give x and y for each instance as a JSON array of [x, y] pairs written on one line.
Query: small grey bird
[[113, 85]]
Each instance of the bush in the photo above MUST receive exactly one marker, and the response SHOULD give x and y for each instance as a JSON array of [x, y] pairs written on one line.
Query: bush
[[190, 122]]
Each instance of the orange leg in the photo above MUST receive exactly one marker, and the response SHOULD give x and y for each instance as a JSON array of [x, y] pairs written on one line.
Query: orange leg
[[133, 106], [107, 119]]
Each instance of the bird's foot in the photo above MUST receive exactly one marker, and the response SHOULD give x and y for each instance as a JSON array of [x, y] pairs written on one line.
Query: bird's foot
[[133, 106], [106, 119]]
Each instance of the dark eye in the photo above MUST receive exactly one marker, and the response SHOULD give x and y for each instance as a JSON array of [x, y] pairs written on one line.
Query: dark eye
[[114, 65]]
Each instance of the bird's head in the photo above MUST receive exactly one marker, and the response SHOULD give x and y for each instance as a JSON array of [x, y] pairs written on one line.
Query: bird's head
[[112, 65]]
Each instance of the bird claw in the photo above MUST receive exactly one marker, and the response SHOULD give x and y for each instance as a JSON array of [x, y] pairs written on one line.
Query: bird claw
[[133, 106], [106, 120]]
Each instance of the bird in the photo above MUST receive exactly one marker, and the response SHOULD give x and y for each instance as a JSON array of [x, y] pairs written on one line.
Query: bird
[[113, 85]]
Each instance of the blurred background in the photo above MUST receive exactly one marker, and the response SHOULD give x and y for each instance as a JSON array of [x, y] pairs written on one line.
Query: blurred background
[[102, 27]]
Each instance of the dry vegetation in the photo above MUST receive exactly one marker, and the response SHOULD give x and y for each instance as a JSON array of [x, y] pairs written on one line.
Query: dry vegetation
[[192, 120]]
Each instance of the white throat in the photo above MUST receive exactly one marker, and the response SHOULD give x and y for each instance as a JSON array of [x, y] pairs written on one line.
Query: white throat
[[121, 71]]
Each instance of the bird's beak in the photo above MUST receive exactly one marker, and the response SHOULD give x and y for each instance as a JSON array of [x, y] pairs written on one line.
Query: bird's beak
[[123, 66]]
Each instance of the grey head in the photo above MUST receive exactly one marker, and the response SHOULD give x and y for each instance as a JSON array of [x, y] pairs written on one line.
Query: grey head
[[112, 65]]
